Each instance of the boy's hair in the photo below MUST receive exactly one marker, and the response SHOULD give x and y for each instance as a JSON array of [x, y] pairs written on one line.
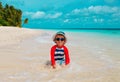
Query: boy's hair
[[61, 34]]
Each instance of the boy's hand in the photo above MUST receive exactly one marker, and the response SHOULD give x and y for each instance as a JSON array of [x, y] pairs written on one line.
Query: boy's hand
[[54, 66], [63, 65]]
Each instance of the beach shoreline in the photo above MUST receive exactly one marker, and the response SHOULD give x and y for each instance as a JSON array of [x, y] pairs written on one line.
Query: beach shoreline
[[25, 52]]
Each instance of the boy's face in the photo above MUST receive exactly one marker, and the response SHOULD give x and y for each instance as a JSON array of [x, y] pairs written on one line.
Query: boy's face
[[59, 40]]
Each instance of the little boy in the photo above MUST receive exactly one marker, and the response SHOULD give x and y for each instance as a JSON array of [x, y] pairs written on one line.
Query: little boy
[[59, 53]]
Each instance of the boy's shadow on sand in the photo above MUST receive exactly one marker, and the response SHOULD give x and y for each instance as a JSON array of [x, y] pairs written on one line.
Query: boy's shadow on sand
[[48, 64]]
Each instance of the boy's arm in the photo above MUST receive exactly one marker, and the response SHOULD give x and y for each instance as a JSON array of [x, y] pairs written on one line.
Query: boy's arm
[[67, 58], [52, 56]]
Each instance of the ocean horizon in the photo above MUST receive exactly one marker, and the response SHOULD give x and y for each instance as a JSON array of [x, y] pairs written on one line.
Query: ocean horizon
[[74, 28]]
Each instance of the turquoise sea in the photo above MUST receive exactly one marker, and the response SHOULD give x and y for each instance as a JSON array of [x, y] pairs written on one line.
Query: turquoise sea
[[101, 31]]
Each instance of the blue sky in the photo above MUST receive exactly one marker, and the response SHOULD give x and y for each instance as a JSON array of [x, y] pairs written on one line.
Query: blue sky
[[69, 13]]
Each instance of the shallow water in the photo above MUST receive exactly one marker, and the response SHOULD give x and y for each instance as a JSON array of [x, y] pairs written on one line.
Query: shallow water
[[94, 57]]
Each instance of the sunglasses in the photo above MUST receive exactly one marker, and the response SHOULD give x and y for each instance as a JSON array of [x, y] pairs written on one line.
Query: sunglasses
[[60, 39]]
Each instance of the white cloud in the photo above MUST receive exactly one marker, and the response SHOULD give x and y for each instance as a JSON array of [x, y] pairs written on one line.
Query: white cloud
[[98, 20], [56, 15], [66, 20], [35, 15], [41, 14], [100, 13], [76, 11], [103, 9], [38, 14], [97, 9]]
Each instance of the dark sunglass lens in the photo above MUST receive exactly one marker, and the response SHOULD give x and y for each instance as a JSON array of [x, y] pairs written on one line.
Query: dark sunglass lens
[[62, 39], [57, 39]]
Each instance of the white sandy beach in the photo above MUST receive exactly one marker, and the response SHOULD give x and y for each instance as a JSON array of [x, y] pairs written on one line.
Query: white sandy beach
[[24, 54]]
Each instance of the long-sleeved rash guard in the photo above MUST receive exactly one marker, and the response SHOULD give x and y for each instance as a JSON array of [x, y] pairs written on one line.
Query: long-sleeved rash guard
[[66, 54]]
